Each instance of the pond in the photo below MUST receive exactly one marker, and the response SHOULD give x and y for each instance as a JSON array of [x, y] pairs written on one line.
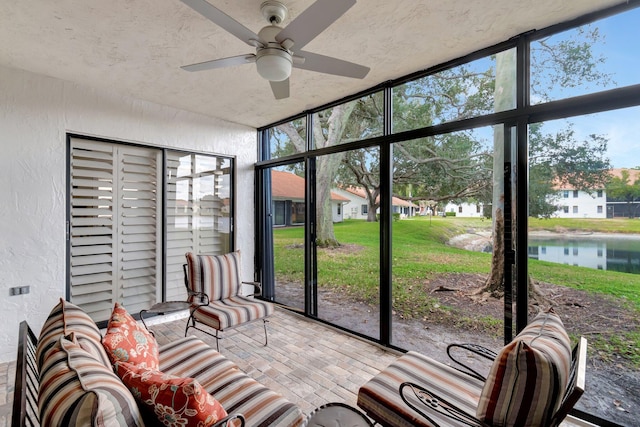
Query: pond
[[602, 252]]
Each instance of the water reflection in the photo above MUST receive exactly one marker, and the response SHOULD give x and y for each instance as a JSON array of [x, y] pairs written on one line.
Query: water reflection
[[602, 252]]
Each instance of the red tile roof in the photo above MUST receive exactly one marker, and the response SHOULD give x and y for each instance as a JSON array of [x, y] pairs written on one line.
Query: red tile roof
[[286, 185]]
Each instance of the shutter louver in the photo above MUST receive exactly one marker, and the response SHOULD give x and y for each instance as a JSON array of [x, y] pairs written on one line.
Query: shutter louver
[[179, 227], [139, 231], [92, 227], [115, 227]]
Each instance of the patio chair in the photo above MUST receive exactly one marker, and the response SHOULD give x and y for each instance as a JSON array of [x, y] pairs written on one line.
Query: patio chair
[[534, 381], [213, 286]]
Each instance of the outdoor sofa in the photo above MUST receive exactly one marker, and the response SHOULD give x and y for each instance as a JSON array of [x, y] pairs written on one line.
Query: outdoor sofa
[[66, 377]]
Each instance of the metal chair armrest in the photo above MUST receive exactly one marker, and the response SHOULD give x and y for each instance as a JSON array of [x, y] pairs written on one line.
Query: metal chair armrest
[[204, 298], [257, 288], [472, 348], [434, 404], [225, 420]]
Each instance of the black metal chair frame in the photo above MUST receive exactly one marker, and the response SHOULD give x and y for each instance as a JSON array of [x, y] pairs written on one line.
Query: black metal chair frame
[[204, 301]]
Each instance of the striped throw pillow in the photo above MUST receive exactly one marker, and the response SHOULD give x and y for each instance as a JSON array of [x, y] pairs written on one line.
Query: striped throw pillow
[[216, 275], [529, 376], [64, 319], [77, 390]]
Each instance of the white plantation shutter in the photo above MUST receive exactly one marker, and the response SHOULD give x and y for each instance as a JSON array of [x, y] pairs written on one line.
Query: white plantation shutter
[[179, 231], [139, 227], [114, 227], [198, 187]]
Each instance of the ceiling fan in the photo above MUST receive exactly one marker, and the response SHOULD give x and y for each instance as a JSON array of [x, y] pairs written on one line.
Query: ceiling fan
[[279, 49]]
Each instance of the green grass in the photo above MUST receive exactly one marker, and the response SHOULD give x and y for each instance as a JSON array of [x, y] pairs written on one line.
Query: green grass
[[420, 252], [615, 225]]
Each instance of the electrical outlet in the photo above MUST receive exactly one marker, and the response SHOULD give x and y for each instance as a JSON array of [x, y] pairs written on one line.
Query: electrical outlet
[[19, 290]]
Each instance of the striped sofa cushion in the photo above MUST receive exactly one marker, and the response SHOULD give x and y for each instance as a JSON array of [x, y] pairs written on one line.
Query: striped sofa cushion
[[64, 319], [216, 275], [77, 390], [232, 311], [529, 376], [381, 400], [235, 390]]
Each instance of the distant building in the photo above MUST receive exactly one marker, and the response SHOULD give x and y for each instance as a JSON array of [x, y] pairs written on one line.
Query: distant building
[[465, 210], [288, 207], [357, 206], [596, 203]]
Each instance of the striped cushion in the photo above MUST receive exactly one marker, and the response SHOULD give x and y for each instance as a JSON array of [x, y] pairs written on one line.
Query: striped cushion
[[529, 376], [235, 390], [77, 390], [216, 275], [64, 319], [380, 398], [232, 311]]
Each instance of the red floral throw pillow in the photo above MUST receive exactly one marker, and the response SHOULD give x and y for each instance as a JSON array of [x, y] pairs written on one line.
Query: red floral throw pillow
[[174, 401], [126, 341]]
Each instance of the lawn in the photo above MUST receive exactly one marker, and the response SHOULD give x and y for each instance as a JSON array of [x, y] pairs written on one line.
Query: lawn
[[420, 252]]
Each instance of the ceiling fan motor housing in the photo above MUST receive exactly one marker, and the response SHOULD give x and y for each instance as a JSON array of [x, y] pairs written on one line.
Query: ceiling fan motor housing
[[274, 11]]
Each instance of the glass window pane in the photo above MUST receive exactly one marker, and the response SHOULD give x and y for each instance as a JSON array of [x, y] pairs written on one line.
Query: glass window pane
[[447, 180], [288, 207], [198, 211], [602, 55], [349, 122], [288, 138], [589, 269], [470, 90], [348, 248]]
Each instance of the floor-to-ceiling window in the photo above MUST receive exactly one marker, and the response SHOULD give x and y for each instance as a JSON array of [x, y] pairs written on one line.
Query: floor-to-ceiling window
[[519, 161]]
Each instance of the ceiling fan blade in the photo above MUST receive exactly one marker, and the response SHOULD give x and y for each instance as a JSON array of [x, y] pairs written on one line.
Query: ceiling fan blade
[[220, 63], [313, 20], [223, 20], [329, 65], [280, 89]]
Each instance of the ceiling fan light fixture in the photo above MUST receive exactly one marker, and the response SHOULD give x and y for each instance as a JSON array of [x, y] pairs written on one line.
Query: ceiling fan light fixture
[[274, 64]]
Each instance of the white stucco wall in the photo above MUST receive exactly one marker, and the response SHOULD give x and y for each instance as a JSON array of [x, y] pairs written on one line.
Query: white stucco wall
[[469, 210], [586, 204], [36, 112]]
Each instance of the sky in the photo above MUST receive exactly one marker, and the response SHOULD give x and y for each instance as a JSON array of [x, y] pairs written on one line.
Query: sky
[[621, 49]]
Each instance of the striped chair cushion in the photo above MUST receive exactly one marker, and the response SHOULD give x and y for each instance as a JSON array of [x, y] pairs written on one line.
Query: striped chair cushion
[[380, 398], [216, 275], [77, 390], [232, 311], [64, 319], [235, 390], [529, 376]]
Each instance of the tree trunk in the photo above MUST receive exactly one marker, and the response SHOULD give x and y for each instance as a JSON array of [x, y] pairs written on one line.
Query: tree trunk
[[326, 167], [504, 98]]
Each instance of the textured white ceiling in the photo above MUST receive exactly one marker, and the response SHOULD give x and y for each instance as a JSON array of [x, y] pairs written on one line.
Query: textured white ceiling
[[136, 47]]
